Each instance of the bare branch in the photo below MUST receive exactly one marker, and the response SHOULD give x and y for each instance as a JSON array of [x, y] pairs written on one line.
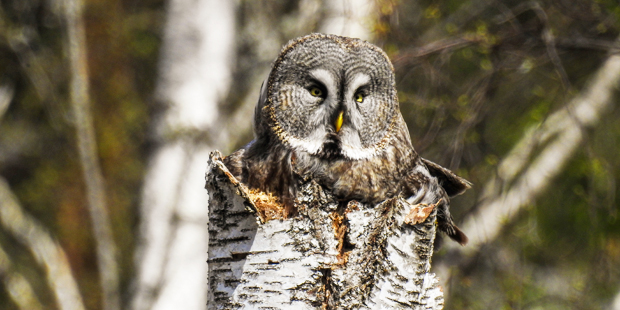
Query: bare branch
[[17, 286], [6, 95], [527, 174], [575, 42], [410, 56], [615, 303], [86, 141], [44, 248]]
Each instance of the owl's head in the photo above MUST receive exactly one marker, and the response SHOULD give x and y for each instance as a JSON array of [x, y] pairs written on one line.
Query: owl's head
[[330, 96]]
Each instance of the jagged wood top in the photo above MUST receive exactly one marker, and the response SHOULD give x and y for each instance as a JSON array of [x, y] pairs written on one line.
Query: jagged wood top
[[331, 255]]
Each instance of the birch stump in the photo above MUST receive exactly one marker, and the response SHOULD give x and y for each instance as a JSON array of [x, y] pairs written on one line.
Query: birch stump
[[330, 255]]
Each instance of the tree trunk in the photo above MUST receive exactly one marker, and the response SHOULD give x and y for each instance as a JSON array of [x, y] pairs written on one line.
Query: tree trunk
[[196, 61], [331, 255]]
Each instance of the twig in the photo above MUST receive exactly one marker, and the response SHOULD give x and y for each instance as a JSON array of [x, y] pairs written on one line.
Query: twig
[[611, 47], [549, 40], [546, 36], [409, 56], [20, 38], [44, 248], [6, 95], [105, 247]]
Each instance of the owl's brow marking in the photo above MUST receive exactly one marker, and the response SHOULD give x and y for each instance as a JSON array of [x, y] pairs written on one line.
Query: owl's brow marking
[[322, 76], [359, 82], [316, 83]]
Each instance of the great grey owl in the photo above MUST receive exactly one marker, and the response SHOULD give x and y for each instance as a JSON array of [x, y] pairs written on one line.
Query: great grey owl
[[329, 110]]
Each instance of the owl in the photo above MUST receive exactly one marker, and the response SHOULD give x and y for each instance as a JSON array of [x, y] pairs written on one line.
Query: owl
[[329, 110]]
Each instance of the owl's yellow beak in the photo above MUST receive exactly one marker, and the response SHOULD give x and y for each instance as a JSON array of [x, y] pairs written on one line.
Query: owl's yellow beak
[[339, 121]]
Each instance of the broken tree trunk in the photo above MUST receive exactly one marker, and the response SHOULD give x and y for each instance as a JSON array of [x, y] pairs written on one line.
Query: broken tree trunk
[[330, 255]]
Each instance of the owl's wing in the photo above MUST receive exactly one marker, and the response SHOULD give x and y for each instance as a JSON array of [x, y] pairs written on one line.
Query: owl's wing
[[451, 183], [260, 127], [234, 162]]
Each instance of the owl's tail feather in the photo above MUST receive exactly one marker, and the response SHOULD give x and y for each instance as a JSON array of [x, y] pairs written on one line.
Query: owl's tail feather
[[446, 224], [453, 231], [457, 235]]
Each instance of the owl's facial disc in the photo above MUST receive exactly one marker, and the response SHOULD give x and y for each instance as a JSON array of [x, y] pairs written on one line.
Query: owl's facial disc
[[332, 97], [356, 94]]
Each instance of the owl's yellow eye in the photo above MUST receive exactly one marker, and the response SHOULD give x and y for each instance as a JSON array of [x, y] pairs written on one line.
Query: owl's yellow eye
[[359, 97], [316, 92]]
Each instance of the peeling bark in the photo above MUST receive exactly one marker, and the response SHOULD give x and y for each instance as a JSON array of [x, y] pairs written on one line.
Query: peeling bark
[[331, 255]]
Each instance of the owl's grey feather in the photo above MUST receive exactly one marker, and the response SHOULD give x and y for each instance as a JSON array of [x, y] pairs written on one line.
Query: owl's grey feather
[[369, 158]]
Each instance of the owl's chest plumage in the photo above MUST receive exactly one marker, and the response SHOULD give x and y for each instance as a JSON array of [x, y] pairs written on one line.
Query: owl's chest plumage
[[390, 173], [276, 168]]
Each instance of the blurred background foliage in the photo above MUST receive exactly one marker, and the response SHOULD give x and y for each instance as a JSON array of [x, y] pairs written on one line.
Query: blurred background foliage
[[38, 152], [473, 77]]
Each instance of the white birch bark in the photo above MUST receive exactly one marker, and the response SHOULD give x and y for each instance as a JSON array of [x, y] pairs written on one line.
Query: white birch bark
[[327, 257], [349, 18], [615, 305], [197, 52]]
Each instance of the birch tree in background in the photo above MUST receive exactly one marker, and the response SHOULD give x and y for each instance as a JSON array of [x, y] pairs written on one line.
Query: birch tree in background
[[349, 18], [195, 69], [541, 154]]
